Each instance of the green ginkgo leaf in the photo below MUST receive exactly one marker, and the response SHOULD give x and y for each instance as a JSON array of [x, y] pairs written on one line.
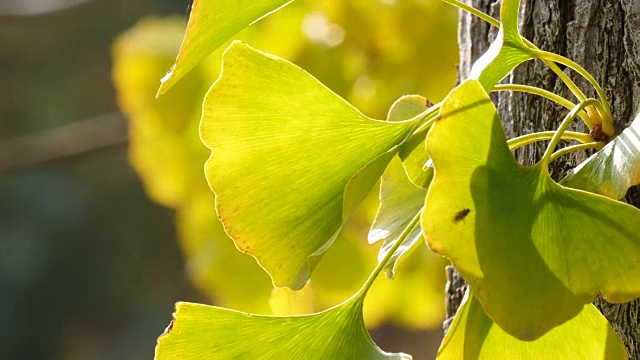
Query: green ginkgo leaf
[[211, 24], [612, 170], [205, 332], [400, 198], [400, 201], [533, 251], [506, 52], [474, 336], [412, 152], [284, 148]]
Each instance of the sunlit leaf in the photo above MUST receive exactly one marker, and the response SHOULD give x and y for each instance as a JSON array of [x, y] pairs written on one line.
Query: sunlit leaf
[[400, 201], [474, 336], [211, 24], [170, 156], [413, 153], [205, 332], [284, 147], [612, 170], [533, 251], [506, 52], [412, 300]]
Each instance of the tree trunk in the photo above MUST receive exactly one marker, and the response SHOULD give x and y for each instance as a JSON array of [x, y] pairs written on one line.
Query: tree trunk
[[604, 37]]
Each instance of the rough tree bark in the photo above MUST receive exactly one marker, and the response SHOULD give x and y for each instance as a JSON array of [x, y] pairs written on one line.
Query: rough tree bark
[[604, 37]]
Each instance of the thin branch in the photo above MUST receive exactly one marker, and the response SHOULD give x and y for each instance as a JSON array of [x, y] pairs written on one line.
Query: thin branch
[[64, 142]]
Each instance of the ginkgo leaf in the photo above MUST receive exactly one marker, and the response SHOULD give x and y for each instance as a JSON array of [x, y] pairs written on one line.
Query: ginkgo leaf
[[284, 148], [534, 252], [205, 332], [400, 201], [506, 52], [612, 170], [211, 24], [413, 153], [474, 336]]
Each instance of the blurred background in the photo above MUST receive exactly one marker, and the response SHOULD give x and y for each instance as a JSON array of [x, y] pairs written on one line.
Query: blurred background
[[105, 217]]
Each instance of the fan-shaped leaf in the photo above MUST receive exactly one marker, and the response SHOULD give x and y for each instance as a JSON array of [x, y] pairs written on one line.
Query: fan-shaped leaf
[[506, 52], [612, 170], [473, 336], [284, 148], [400, 201], [206, 332], [211, 23], [413, 153], [534, 252]]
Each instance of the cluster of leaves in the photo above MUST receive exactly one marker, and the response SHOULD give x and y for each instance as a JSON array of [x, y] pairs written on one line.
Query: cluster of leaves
[[167, 153], [291, 161]]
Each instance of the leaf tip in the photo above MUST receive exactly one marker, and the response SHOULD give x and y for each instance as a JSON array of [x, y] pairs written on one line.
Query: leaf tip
[[166, 82]]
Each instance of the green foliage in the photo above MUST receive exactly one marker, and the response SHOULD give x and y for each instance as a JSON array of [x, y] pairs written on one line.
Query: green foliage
[[612, 170], [166, 152], [207, 332], [413, 153], [400, 198], [505, 53], [292, 161], [474, 336], [492, 216], [211, 25], [284, 148]]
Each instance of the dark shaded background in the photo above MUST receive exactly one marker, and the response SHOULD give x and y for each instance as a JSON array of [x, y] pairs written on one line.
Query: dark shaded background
[[89, 267]]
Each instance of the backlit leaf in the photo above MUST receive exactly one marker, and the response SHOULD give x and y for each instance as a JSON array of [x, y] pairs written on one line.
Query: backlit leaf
[[211, 24], [284, 147], [413, 153], [534, 252], [474, 336], [612, 170], [400, 201], [206, 332], [506, 52]]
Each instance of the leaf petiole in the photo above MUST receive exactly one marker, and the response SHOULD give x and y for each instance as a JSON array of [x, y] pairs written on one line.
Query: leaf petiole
[[546, 158], [569, 149], [473, 11], [523, 140], [547, 95], [570, 84], [604, 110], [427, 118], [550, 59]]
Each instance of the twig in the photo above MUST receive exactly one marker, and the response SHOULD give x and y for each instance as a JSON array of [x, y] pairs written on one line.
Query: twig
[[66, 141]]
